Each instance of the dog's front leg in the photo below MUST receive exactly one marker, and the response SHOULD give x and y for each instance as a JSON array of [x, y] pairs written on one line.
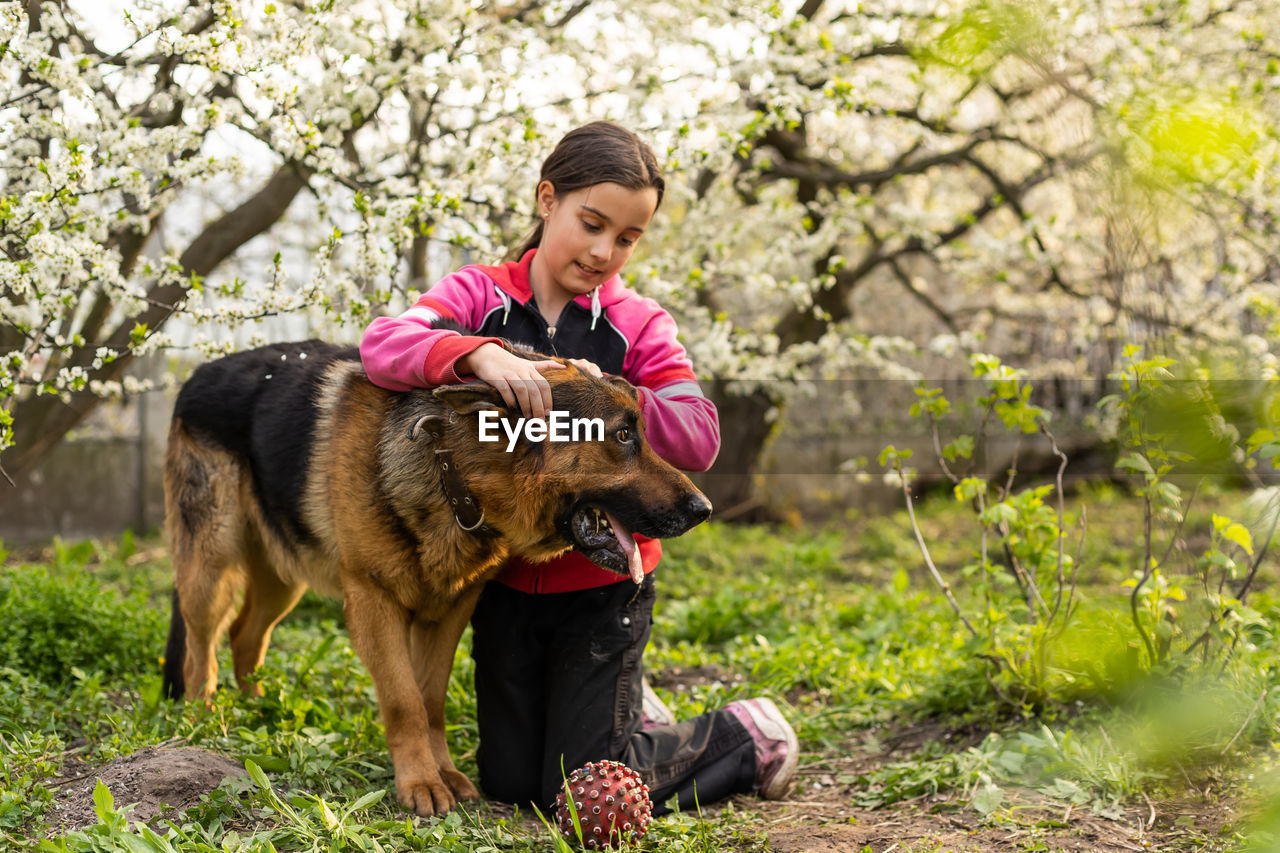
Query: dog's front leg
[[379, 629], [433, 645]]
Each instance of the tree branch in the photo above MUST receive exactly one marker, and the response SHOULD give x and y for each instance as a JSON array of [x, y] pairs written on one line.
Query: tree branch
[[44, 421], [923, 298]]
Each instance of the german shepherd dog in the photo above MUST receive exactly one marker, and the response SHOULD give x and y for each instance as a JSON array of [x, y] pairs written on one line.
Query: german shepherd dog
[[287, 468]]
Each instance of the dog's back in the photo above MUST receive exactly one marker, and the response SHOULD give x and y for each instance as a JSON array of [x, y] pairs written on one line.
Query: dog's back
[[261, 405]]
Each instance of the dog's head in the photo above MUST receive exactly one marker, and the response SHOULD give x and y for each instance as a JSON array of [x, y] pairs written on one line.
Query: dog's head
[[603, 482]]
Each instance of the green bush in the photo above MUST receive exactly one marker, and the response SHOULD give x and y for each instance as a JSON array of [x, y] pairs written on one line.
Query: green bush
[[58, 624], [1017, 594]]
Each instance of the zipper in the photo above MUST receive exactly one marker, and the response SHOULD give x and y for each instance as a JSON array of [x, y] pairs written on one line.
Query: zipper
[[532, 307]]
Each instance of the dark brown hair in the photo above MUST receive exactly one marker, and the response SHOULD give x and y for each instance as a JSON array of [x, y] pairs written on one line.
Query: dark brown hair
[[596, 153]]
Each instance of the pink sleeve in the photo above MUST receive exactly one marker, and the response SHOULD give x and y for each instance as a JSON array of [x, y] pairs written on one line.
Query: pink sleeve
[[683, 428], [404, 352], [680, 423]]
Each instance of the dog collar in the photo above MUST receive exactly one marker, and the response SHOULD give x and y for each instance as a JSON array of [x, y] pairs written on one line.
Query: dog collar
[[466, 510]]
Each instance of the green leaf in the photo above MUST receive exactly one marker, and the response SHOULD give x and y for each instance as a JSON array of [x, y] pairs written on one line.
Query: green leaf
[[988, 799], [127, 547], [1219, 560], [1167, 493], [274, 763], [1001, 512], [326, 814], [104, 805], [255, 773], [1258, 439], [1135, 462], [153, 839], [1012, 762], [1067, 790], [970, 488], [367, 800], [1109, 401], [1240, 535], [961, 448], [892, 454], [982, 364]]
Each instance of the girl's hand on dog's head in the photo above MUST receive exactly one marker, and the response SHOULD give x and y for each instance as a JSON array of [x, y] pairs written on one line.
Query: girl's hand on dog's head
[[588, 367], [518, 380]]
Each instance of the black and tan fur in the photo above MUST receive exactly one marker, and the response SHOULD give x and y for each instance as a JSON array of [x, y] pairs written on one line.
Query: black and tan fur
[[287, 468]]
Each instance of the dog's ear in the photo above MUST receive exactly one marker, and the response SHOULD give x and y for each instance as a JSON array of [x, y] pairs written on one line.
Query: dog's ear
[[471, 397], [623, 385]]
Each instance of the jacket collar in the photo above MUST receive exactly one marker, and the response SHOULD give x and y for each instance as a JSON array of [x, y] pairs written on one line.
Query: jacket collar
[[513, 279]]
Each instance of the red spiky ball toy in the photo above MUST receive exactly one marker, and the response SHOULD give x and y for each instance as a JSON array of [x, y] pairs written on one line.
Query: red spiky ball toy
[[612, 803]]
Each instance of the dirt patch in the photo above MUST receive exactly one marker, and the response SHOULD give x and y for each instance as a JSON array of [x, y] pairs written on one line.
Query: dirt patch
[[162, 780], [681, 678], [914, 737], [819, 816], [913, 828], [936, 823], [823, 821]]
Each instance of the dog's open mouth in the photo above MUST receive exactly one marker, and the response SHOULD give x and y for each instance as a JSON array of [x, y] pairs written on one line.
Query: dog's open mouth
[[605, 541]]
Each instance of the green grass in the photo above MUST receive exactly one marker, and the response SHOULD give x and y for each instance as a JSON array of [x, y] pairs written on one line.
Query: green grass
[[840, 626]]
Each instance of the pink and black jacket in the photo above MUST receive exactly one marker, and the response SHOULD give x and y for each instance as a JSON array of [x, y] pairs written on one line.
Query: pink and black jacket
[[625, 334]]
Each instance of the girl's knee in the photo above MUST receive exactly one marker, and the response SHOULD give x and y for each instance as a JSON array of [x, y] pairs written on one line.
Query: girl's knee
[[506, 788]]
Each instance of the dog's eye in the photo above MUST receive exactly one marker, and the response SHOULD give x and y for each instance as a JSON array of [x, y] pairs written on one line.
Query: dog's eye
[[623, 436]]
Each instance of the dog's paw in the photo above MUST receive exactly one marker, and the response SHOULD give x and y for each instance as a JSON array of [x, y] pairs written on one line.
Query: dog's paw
[[426, 797], [460, 785]]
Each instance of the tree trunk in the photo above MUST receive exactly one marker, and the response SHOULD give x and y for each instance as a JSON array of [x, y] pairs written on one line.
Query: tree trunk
[[744, 431]]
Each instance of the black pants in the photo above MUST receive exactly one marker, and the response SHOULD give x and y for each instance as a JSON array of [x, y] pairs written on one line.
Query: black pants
[[558, 685]]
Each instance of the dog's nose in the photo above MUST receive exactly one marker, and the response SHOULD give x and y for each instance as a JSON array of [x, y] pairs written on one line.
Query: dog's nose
[[698, 507]]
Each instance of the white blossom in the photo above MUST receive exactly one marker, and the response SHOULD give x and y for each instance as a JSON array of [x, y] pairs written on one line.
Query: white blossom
[[426, 121]]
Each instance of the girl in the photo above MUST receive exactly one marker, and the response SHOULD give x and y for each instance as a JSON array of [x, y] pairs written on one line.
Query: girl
[[557, 646]]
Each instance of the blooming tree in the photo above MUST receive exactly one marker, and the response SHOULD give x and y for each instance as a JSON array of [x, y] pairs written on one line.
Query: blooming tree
[[1052, 180], [377, 127], [848, 183]]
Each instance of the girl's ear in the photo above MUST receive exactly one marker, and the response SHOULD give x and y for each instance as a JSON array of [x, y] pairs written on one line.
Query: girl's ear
[[546, 198]]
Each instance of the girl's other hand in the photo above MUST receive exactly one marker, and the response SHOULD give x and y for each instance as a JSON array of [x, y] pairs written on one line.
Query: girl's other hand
[[518, 380], [588, 367]]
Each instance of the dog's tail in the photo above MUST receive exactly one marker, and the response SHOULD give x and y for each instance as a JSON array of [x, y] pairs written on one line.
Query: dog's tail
[[175, 652]]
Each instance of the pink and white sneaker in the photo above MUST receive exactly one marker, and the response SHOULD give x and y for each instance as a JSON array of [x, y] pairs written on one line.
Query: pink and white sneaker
[[654, 713], [777, 749]]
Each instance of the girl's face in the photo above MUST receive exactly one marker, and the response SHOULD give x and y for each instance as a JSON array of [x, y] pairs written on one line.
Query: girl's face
[[589, 234]]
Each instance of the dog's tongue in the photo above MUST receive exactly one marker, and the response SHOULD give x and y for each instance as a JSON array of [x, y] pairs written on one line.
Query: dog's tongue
[[628, 543]]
